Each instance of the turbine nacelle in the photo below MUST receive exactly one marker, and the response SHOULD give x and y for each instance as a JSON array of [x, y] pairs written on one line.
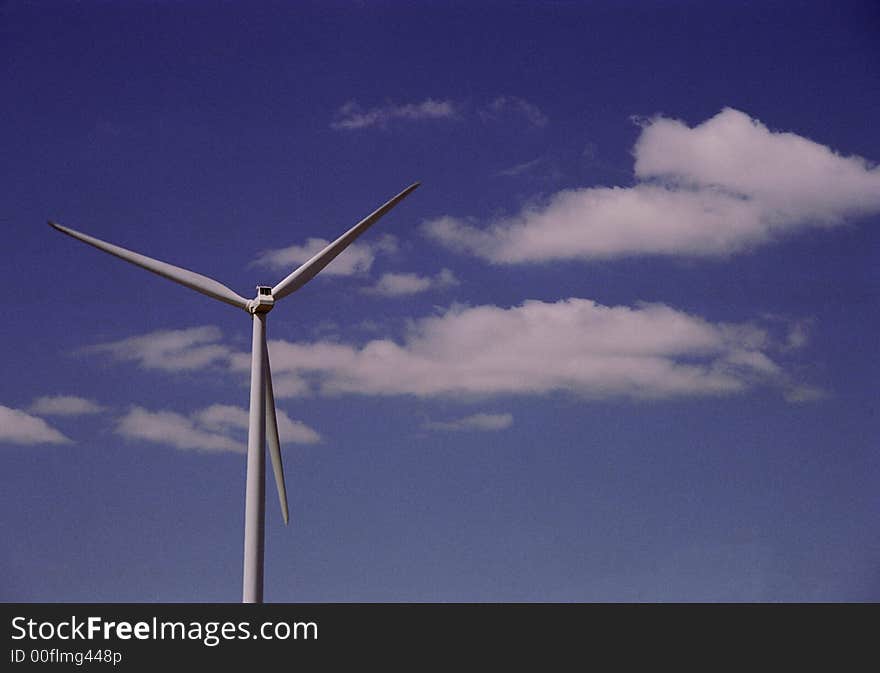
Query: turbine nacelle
[[263, 302]]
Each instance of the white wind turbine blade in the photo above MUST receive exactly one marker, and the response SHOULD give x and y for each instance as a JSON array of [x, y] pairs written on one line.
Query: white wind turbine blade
[[313, 267], [190, 279], [273, 441]]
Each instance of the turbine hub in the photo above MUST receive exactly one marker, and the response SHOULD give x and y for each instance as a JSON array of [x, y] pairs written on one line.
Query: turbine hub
[[263, 302]]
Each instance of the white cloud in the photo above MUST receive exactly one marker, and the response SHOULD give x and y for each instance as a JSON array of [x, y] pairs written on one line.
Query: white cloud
[[177, 430], [721, 187], [288, 384], [505, 106], [352, 116], [290, 430], [18, 427], [401, 284], [794, 180], [798, 394], [799, 334], [575, 345], [358, 257], [221, 417], [170, 350], [485, 422], [65, 405], [219, 427], [521, 168]]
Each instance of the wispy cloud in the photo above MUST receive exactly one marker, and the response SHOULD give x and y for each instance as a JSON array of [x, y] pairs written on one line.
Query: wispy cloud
[[19, 427], [480, 422], [169, 350], [514, 106], [804, 393], [352, 116], [65, 405], [358, 257], [221, 417], [722, 187], [403, 284], [799, 334], [521, 168], [218, 428], [173, 429]]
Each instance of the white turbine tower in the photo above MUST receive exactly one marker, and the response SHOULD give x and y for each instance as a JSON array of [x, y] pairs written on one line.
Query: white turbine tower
[[262, 425]]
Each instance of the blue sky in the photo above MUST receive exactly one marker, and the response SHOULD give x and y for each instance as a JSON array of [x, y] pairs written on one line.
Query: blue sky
[[620, 345]]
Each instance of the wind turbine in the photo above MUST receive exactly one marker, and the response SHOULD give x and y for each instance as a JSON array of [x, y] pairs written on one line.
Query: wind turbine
[[262, 424]]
